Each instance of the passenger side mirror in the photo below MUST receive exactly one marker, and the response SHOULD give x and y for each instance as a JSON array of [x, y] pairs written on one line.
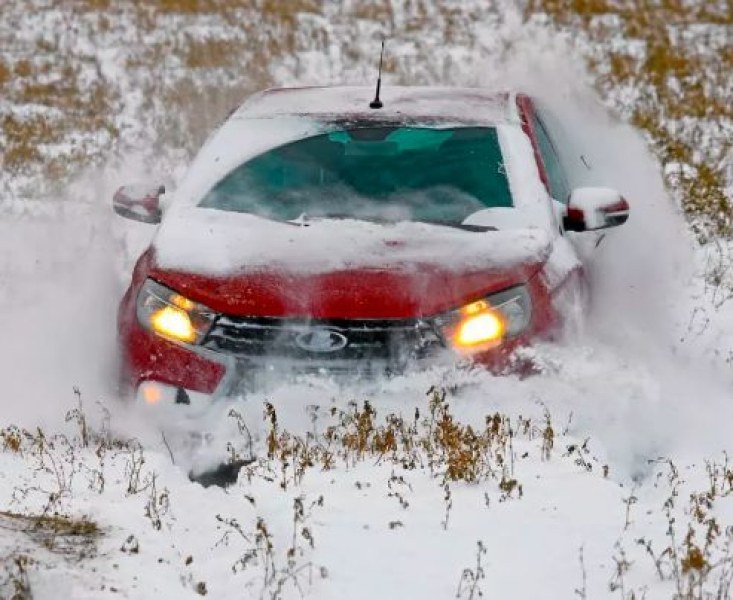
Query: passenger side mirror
[[592, 208], [139, 202]]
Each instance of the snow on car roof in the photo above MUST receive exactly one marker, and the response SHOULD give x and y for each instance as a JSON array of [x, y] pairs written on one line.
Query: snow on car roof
[[473, 105]]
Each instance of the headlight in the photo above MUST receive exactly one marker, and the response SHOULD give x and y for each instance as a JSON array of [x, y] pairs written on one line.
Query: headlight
[[515, 306], [171, 315], [486, 323]]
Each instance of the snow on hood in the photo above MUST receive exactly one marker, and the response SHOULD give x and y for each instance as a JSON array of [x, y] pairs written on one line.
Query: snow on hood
[[213, 242]]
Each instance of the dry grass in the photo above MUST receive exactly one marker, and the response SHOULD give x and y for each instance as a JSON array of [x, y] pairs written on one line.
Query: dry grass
[[212, 53], [432, 441], [189, 82], [14, 581], [694, 555], [56, 525], [684, 89], [73, 538], [56, 104]]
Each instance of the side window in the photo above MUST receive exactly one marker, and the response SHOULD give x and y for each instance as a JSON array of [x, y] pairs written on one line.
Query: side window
[[556, 176]]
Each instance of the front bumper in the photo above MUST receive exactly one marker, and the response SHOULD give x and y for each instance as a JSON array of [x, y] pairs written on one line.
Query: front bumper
[[195, 375], [242, 354]]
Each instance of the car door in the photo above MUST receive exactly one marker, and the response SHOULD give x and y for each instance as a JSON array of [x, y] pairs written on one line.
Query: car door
[[564, 270]]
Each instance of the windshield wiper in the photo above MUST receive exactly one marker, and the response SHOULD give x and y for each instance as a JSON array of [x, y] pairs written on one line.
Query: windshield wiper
[[462, 226], [301, 221], [476, 228]]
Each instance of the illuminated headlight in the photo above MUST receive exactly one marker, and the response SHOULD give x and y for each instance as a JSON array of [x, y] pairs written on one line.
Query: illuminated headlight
[[170, 315], [486, 323]]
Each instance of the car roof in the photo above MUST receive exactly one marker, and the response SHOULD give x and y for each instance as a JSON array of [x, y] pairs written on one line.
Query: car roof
[[400, 103]]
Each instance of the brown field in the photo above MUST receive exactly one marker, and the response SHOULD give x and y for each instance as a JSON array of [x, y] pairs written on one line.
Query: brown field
[[61, 110]]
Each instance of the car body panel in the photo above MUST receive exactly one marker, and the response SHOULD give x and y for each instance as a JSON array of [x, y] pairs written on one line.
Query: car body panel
[[419, 291]]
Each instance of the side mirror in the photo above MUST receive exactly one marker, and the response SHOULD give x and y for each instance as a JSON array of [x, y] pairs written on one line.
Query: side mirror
[[139, 203], [593, 208]]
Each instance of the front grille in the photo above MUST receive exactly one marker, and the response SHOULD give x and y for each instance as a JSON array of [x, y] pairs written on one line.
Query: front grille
[[395, 341]]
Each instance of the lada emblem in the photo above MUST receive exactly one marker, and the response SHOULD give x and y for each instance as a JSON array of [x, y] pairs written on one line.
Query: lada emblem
[[321, 339]]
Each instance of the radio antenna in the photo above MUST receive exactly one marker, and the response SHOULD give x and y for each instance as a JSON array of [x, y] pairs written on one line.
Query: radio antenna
[[377, 103]]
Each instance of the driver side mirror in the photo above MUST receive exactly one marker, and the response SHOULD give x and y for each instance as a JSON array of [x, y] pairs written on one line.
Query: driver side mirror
[[139, 203], [592, 208]]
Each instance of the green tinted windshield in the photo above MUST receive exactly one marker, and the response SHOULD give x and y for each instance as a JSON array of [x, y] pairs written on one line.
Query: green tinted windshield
[[374, 173]]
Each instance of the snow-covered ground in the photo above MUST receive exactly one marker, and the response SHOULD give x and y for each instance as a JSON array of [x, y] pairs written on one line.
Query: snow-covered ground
[[604, 475]]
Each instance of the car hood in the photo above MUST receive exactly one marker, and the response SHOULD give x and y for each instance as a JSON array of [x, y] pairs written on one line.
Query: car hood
[[244, 265]]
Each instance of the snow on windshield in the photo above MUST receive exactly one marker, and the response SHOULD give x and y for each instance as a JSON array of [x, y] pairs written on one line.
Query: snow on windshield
[[240, 140], [383, 173]]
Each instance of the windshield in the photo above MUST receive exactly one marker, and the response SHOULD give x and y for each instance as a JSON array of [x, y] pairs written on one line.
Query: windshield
[[381, 173]]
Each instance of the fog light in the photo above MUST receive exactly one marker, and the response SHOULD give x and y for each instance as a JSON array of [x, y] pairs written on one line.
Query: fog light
[[163, 397], [151, 392]]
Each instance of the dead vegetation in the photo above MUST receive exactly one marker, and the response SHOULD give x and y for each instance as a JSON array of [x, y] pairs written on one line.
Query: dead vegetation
[[434, 442], [672, 78], [63, 106], [697, 558], [73, 537], [169, 83], [14, 581], [469, 586], [693, 554], [280, 568]]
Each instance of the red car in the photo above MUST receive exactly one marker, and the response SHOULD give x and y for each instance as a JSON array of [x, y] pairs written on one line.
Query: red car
[[314, 233]]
